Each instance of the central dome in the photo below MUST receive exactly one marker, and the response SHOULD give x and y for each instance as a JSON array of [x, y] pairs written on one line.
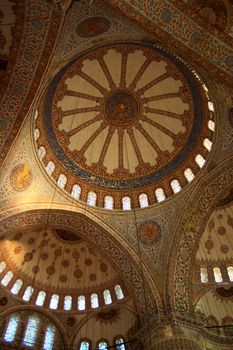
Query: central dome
[[123, 116]]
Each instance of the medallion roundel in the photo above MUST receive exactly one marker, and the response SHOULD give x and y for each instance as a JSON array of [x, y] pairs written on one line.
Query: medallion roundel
[[121, 108], [21, 177], [123, 117], [93, 26]]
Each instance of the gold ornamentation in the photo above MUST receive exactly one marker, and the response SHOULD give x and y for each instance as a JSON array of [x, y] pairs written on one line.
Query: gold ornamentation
[[21, 177]]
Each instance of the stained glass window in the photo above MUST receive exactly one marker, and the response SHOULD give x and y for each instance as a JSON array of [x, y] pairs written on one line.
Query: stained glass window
[[208, 144], [84, 345], [40, 298], [108, 202], [36, 134], [7, 278], [76, 191], [31, 331], [200, 160], [211, 125], [54, 302], [204, 275], [143, 200], [41, 152], [189, 174], [11, 330], [211, 106], [175, 185], [28, 293], [103, 345], [119, 344], [67, 303], [230, 273], [49, 338], [107, 297], [50, 167], [160, 195], [81, 303], [126, 203], [2, 266], [217, 274], [91, 198], [119, 292], [16, 287], [94, 301], [62, 180]]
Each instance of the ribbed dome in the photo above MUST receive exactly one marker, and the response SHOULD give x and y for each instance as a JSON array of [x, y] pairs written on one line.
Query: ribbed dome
[[123, 117]]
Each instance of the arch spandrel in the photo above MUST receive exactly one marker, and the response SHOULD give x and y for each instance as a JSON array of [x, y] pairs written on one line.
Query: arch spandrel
[[107, 241], [187, 235]]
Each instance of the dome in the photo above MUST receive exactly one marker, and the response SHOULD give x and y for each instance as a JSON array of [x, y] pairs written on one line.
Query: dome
[[38, 264], [125, 120]]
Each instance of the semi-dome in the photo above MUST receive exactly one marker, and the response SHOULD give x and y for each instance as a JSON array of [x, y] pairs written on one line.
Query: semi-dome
[[55, 268]]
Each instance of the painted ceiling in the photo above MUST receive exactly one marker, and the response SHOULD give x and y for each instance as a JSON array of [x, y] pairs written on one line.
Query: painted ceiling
[[216, 241], [123, 116], [57, 261]]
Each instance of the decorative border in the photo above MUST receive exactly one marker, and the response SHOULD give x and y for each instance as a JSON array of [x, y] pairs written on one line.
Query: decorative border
[[188, 233]]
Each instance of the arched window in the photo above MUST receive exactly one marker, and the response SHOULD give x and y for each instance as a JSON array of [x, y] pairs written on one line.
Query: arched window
[[189, 174], [200, 161], [160, 195], [91, 198], [81, 303], [211, 125], [76, 191], [84, 345], [31, 331], [126, 203], [40, 298], [41, 152], [11, 329], [108, 202], [2, 266], [7, 278], [204, 275], [28, 293], [230, 273], [16, 287], [49, 338], [143, 200], [62, 180], [207, 144], [217, 274], [50, 167], [107, 297], [94, 301], [175, 185], [102, 345], [211, 106], [54, 302], [36, 134], [68, 303], [120, 344], [119, 292]]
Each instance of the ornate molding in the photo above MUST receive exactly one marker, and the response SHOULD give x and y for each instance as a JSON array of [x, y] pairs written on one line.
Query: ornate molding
[[189, 230]]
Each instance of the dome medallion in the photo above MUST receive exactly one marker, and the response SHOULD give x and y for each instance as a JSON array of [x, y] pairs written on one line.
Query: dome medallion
[[124, 119]]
